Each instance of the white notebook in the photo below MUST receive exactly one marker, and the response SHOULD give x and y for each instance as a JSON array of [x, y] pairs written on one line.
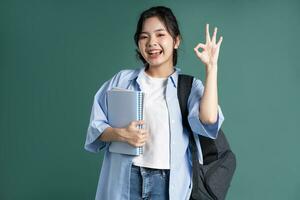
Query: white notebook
[[124, 106]]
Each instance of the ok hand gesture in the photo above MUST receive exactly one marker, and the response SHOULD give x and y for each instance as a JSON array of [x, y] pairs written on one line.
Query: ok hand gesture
[[210, 53]]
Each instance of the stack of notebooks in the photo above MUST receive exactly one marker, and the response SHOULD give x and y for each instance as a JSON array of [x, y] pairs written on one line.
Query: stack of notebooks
[[124, 106]]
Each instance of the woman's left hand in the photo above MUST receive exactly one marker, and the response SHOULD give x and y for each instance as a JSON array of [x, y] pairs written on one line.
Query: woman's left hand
[[210, 53]]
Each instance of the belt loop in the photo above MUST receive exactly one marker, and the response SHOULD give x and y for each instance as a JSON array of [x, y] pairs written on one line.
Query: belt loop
[[142, 171]]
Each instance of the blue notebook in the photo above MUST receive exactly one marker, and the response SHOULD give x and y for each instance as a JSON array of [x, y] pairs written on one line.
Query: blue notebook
[[124, 106]]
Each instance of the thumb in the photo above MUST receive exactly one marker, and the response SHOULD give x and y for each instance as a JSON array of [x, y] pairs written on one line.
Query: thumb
[[198, 54], [136, 123]]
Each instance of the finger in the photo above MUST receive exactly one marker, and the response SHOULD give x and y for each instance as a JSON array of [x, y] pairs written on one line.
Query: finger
[[139, 131], [138, 144], [214, 35], [142, 131], [140, 122], [220, 41], [146, 135], [141, 144], [207, 33], [196, 49], [200, 45], [135, 123], [198, 54], [144, 139]]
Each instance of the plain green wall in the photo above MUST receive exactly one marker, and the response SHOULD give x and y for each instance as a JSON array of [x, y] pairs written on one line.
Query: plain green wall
[[54, 55]]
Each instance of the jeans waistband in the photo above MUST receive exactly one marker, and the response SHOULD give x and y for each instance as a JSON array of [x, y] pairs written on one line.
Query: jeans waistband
[[150, 171]]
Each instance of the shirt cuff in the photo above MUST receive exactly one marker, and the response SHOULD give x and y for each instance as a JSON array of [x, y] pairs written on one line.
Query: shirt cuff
[[207, 130], [93, 143]]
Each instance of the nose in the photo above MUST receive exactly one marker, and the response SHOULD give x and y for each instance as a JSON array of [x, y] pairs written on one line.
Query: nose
[[152, 41]]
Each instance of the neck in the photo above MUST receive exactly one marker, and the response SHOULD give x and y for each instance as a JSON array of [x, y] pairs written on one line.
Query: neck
[[159, 72]]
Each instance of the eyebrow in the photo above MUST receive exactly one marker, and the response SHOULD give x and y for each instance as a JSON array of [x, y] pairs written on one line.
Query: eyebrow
[[161, 29]]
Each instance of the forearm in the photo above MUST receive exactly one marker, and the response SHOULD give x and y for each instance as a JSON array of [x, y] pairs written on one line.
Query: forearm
[[112, 134], [208, 110]]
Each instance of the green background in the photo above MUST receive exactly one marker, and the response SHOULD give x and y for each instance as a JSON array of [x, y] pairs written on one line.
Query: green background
[[54, 56]]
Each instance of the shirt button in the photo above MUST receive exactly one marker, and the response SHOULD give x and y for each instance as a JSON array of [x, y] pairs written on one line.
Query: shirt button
[[172, 121]]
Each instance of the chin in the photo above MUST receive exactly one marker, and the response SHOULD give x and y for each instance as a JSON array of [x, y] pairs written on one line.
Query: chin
[[155, 64]]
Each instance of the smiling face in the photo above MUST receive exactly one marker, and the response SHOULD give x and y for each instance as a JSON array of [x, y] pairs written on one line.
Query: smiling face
[[156, 44]]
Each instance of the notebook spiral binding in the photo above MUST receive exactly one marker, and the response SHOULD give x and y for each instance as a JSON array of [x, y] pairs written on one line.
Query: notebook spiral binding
[[140, 101]]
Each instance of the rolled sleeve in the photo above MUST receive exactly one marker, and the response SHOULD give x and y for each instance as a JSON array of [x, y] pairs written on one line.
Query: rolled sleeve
[[98, 122], [207, 130]]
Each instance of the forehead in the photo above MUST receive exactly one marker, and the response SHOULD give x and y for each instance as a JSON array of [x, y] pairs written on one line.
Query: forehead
[[153, 24]]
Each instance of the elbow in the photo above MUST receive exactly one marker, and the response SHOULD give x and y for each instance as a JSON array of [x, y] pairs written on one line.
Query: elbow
[[208, 120]]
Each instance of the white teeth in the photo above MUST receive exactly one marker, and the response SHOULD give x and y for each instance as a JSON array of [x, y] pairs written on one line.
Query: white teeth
[[154, 52]]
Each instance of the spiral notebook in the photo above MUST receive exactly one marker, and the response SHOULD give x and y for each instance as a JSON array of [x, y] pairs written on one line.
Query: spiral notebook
[[124, 106]]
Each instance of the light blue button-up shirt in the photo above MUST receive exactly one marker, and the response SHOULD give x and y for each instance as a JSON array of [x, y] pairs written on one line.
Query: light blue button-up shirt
[[114, 181]]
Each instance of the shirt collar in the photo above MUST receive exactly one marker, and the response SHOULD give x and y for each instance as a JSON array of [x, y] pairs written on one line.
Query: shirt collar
[[139, 73]]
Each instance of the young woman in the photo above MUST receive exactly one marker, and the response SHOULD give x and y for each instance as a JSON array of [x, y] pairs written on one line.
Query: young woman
[[163, 171]]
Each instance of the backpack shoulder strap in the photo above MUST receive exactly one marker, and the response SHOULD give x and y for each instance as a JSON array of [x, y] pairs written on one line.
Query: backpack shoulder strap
[[208, 146], [184, 86], [217, 156]]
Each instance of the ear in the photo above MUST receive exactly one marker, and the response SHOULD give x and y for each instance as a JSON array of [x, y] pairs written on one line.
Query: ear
[[177, 42]]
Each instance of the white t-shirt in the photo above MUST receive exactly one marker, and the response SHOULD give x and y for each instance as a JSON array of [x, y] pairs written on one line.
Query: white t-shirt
[[156, 149]]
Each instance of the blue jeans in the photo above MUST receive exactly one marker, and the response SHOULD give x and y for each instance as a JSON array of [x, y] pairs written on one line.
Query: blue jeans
[[149, 184]]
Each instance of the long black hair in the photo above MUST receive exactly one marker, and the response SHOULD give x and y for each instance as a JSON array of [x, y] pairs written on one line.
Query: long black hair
[[166, 16]]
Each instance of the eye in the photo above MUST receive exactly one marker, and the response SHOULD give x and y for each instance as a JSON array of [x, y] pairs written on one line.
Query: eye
[[142, 37], [161, 35]]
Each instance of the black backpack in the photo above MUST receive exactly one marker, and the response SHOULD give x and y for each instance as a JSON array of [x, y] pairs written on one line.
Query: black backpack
[[211, 180]]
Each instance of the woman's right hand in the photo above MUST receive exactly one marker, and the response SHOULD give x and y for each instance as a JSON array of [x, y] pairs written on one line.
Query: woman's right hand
[[133, 135]]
